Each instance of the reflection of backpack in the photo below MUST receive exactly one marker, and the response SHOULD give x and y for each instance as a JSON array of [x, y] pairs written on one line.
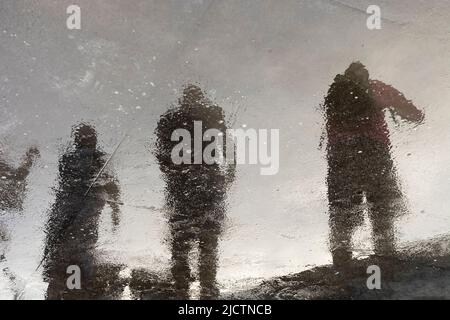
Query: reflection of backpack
[[352, 112], [78, 168]]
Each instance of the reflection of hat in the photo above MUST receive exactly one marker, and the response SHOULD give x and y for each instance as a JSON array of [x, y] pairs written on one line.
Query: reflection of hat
[[192, 95], [85, 136], [358, 73]]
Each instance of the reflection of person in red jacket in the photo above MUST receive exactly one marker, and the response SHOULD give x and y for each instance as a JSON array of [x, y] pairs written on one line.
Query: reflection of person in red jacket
[[360, 167]]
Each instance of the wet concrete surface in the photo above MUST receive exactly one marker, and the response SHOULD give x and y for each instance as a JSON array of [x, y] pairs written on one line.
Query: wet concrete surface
[[413, 274], [87, 177]]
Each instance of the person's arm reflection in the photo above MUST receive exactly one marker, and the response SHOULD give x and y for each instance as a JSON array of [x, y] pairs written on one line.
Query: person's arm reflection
[[24, 170], [230, 165], [390, 98], [113, 191]]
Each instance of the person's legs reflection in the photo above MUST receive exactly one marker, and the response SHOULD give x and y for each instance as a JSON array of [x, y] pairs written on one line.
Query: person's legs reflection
[[383, 232], [384, 198], [345, 216], [382, 216], [208, 243], [345, 197], [180, 245]]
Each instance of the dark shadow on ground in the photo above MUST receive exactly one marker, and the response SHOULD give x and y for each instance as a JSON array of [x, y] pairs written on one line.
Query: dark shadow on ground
[[420, 271]]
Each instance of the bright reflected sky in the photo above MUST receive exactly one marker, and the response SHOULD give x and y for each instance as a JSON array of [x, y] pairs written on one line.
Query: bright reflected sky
[[271, 60]]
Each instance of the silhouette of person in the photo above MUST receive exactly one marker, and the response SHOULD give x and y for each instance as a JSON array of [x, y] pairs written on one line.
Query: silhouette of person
[[195, 193], [361, 171], [72, 227], [13, 181], [13, 184]]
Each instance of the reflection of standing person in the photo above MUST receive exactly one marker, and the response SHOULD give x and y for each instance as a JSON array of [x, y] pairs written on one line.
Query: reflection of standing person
[[360, 166], [195, 193], [72, 228], [13, 188]]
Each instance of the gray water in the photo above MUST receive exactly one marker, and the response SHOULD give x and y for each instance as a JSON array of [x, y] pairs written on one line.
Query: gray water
[[269, 62]]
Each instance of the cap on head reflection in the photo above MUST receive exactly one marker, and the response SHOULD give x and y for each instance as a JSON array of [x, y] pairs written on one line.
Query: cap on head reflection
[[192, 96], [85, 136], [358, 73]]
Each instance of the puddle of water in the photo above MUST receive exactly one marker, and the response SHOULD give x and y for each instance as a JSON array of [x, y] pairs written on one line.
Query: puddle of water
[[265, 65]]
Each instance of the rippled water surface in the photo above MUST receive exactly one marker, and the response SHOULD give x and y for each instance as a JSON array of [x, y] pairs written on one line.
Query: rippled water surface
[[349, 185]]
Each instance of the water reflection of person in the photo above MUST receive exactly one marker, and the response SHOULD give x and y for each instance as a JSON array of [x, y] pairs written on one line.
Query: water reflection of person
[[72, 228], [13, 187], [195, 193], [360, 167], [13, 181]]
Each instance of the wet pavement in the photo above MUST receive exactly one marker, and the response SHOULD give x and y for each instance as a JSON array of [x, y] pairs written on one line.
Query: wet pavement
[[86, 150]]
